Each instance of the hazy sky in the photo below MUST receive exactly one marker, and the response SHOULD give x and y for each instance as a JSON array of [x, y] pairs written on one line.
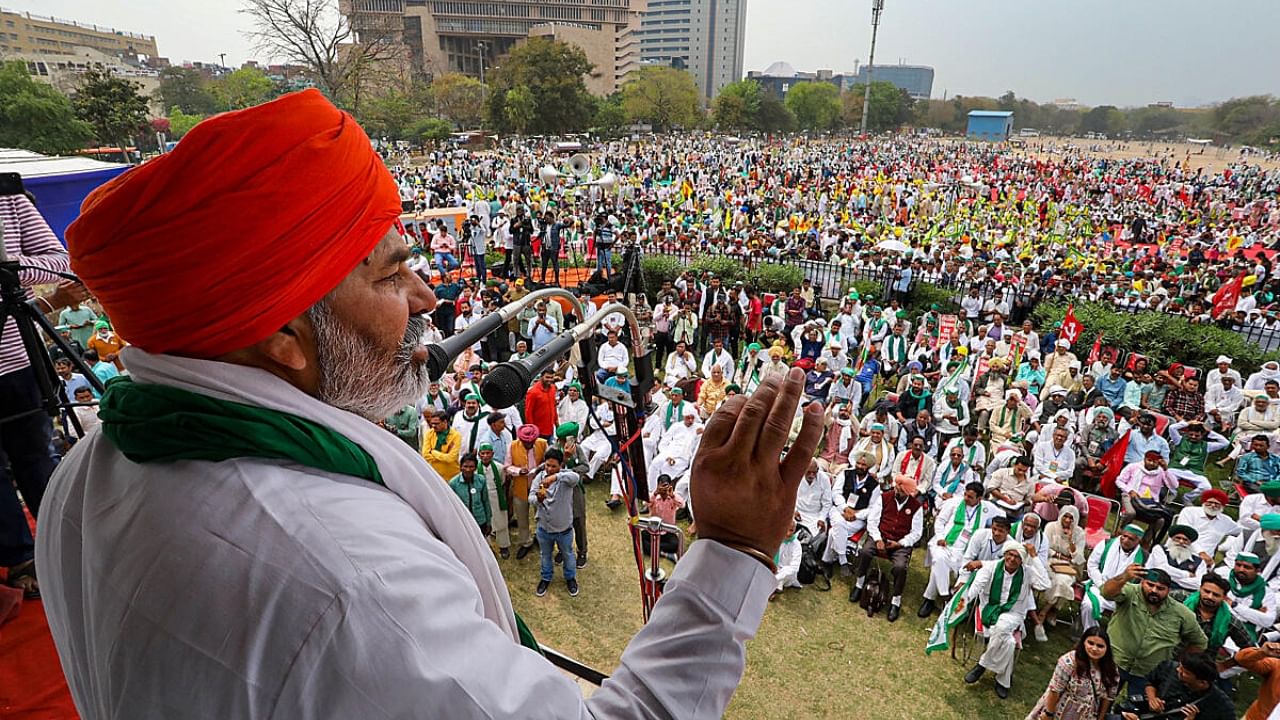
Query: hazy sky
[[1123, 52]]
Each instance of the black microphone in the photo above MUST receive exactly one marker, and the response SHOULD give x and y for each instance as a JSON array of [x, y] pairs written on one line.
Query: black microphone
[[505, 384], [441, 354]]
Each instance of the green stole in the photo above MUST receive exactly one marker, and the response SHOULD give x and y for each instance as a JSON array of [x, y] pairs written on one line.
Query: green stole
[[475, 429], [994, 608], [666, 421], [497, 482], [161, 424], [1139, 557], [1256, 590], [957, 524], [951, 484], [1221, 620]]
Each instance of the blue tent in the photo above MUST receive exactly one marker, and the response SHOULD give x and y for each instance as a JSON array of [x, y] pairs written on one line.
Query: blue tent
[[59, 184]]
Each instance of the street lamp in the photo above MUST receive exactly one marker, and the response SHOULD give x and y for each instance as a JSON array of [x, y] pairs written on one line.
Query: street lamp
[[481, 47], [877, 7]]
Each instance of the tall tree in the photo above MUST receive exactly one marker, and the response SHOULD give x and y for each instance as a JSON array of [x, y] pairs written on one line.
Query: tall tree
[[1105, 119], [552, 72], [460, 99], [111, 105], [774, 116], [391, 115], [520, 108], [186, 89], [890, 107], [662, 96], [242, 88], [816, 105], [180, 123], [738, 105], [314, 34], [36, 117], [611, 118]]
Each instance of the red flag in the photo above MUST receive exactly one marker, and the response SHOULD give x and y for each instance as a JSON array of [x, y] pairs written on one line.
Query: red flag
[[1096, 352], [1071, 327], [1227, 296], [1113, 463]]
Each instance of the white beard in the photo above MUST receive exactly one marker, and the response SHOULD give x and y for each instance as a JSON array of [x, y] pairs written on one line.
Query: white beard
[[361, 378], [1272, 544], [1177, 553]]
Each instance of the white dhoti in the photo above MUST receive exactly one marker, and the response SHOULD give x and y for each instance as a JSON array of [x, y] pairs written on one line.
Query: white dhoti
[[943, 563], [1062, 588], [1200, 482], [787, 577], [499, 521], [838, 538], [597, 449], [1001, 646], [668, 464], [1088, 609]]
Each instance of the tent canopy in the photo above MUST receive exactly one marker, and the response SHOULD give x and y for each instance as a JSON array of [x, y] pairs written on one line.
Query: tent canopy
[[59, 184]]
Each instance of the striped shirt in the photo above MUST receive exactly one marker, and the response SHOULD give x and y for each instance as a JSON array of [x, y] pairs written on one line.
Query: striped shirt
[[27, 239]]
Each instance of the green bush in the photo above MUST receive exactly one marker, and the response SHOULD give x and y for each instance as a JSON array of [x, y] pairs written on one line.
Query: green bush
[[494, 257], [658, 269], [924, 296], [775, 278], [1164, 338], [729, 270], [866, 289]]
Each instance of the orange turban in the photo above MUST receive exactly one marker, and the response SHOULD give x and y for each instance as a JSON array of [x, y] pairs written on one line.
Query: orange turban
[[251, 219]]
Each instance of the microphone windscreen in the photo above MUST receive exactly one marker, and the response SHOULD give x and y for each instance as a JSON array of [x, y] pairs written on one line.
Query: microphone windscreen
[[505, 385]]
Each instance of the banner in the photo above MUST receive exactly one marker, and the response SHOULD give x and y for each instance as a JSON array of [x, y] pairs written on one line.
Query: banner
[[948, 327], [1017, 345], [1071, 327]]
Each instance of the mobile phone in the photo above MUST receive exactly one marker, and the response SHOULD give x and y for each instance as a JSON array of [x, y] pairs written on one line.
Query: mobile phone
[[10, 184]]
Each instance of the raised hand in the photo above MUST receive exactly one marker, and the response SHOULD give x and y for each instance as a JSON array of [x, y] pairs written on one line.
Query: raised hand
[[743, 487]]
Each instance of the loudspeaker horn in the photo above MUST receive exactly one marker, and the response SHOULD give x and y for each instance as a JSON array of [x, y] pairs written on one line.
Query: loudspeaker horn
[[548, 175], [579, 165], [606, 182]]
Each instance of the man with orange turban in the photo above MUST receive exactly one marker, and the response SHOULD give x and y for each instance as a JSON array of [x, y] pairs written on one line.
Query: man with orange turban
[[893, 528], [241, 540]]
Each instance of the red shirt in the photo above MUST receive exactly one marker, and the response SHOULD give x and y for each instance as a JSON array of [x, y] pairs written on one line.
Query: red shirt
[[540, 408]]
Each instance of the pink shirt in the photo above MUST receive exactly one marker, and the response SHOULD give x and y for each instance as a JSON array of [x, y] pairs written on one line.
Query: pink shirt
[[666, 508], [1136, 478], [444, 243]]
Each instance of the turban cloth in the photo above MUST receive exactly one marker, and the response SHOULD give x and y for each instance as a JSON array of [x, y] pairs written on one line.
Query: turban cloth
[[254, 217]]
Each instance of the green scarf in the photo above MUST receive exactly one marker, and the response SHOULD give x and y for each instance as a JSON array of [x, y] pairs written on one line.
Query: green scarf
[[497, 482], [1221, 620], [957, 524], [994, 609], [161, 424], [1257, 590]]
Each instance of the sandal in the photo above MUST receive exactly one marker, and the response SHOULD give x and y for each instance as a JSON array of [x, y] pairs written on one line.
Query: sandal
[[23, 577]]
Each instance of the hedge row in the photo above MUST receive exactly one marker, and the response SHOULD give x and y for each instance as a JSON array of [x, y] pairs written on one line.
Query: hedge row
[[1164, 338]]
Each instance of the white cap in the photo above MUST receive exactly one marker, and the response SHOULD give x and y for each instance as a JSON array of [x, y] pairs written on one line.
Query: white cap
[[1063, 343], [1223, 359], [1013, 392], [1057, 390]]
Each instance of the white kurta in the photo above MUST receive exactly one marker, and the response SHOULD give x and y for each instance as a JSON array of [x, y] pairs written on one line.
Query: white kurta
[[254, 588]]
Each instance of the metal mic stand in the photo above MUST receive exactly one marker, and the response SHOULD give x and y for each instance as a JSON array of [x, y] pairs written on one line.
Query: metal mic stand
[[26, 318]]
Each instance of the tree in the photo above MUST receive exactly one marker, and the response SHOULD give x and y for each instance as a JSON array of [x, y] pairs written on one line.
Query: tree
[[816, 104], [1240, 117], [1105, 119], [890, 106], [180, 123], [738, 105], [242, 88], [662, 96], [429, 130], [774, 116], [314, 34], [520, 108], [36, 117], [111, 105], [552, 72], [391, 115], [185, 88], [611, 118], [460, 98]]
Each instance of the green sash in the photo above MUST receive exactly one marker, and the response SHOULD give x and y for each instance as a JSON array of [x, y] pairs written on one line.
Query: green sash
[[1221, 620], [957, 524], [162, 424], [994, 608], [1091, 591]]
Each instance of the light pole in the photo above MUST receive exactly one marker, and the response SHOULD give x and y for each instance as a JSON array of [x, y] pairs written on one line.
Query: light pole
[[877, 7], [481, 47], [222, 59]]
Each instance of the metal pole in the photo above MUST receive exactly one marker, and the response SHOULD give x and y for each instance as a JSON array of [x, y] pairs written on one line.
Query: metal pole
[[877, 6]]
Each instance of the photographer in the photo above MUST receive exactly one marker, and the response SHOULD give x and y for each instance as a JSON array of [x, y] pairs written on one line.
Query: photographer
[[1179, 690]]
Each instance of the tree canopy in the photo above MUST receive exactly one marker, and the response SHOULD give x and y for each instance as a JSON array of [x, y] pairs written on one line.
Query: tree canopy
[[890, 108], [552, 73], [35, 116], [816, 105], [737, 107], [110, 105], [664, 97]]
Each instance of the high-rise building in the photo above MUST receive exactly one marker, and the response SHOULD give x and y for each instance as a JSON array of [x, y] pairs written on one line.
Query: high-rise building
[[917, 80], [29, 34], [705, 37], [468, 36]]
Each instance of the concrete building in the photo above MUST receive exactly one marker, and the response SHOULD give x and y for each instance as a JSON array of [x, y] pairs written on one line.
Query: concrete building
[[29, 34], [780, 77], [990, 125], [469, 36], [63, 70], [705, 37], [917, 80]]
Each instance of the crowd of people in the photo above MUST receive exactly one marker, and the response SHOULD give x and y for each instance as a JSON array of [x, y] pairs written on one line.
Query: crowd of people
[[980, 446]]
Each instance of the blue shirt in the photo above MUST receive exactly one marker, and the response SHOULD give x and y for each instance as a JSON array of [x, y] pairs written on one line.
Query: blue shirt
[[1113, 391], [1252, 469], [904, 280], [1139, 444], [75, 382], [105, 371]]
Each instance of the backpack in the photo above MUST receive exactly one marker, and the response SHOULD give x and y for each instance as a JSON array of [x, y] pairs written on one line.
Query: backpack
[[811, 547]]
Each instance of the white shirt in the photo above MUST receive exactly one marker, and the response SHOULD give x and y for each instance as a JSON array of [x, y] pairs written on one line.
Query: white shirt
[[262, 589], [712, 358], [1212, 531], [813, 500], [1034, 579], [917, 522], [613, 356]]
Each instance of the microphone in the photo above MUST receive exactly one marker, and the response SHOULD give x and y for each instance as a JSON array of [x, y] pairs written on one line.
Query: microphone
[[441, 354], [505, 384]]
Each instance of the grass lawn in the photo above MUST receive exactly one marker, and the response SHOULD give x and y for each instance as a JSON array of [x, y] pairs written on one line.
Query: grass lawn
[[815, 652]]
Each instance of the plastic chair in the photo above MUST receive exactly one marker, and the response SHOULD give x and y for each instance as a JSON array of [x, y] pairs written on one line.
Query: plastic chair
[[1095, 525]]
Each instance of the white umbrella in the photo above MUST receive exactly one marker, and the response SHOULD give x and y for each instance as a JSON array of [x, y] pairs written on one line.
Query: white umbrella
[[893, 246]]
